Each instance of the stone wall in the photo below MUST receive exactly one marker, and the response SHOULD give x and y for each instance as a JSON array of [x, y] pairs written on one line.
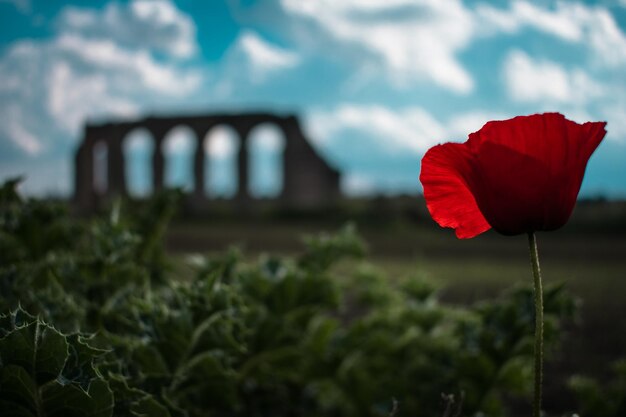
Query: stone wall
[[308, 180]]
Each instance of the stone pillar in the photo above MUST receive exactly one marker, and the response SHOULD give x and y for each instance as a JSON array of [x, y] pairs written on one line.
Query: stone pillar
[[242, 170], [116, 176], [308, 180], [291, 159], [83, 176], [158, 163], [199, 161]]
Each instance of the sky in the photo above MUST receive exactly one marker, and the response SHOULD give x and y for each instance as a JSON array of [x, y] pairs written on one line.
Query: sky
[[375, 82]]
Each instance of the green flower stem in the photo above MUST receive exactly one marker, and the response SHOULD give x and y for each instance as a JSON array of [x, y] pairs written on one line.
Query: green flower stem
[[534, 259]]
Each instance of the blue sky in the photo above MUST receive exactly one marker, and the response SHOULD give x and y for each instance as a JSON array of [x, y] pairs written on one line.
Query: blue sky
[[377, 82]]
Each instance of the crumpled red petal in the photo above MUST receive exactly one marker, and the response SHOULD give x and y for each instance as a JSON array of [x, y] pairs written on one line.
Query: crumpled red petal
[[530, 168], [518, 175], [444, 173], [510, 190], [550, 138]]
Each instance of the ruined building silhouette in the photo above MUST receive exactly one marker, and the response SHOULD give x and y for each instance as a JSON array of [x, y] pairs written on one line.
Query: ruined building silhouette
[[308, 180]]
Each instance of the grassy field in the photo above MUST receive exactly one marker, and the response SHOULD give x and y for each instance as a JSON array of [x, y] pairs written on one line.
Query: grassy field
[[590, 344], [590, 263]]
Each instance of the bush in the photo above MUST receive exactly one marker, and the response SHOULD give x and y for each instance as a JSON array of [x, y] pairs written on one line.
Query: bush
[[112, 332], [602, 401]]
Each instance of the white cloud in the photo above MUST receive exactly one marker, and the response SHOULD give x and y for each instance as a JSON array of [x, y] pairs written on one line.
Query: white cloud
[[50, 87], [591, 26], [459, 126], [17, 133], [250, 61], [357, 184], [530, 80], [137, 65], [72, 97], [153, 24], [139, 142], [264, 57], [562, 22], [268, 138], [607, 39], [180, 141], [616, 116], [222, 142], [409, 129], [405, 40]]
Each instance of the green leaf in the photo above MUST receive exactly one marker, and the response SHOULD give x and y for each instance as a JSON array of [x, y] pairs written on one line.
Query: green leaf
[[319, 335], [149, 361], [79, 367], [70, 400], [130, 401], [205, 380], [37, 348], [51, 353], [149, 407], [17, 389], [45, 373]]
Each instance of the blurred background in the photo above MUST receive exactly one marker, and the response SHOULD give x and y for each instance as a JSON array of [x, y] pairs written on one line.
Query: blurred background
[[375, 84]]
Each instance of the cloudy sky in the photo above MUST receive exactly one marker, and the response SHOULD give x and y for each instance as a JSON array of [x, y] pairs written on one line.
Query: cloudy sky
[[377, 82]]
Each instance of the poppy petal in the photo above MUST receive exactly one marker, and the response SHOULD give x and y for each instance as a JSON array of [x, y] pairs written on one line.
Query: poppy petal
[[531, 169], [550, 138], [582, 141], [444, 175], [517, 175], [542, 136], [510, 190]]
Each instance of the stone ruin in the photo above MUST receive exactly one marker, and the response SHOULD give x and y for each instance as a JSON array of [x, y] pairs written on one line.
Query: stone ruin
[[308, 180]]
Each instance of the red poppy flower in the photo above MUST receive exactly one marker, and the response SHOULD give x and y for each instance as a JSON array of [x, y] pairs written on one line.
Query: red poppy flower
[[517, 175]]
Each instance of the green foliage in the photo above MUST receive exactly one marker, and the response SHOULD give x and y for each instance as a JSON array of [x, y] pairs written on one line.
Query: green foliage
[[608, 400], [46, 373], [30, 230], [324, 250], [497, 346], [277, 336]]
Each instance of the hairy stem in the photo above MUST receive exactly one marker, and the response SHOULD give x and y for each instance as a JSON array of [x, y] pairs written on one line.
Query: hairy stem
[[534, 259]]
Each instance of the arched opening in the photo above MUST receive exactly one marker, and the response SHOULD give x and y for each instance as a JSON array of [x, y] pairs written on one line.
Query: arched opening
[[221, 146], [138, 147], [266, 144], [100, 168], [178, 148]]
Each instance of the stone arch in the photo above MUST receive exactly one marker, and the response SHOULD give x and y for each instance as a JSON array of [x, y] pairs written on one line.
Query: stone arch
[[100, 173], [266, 146], [178, 148], [307, 179], [221, 146], [138, 146]]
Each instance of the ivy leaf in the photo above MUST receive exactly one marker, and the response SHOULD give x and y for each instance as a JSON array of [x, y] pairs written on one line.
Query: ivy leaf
[[149, 407], [131, 401], [79, 367], [33, 356], [36, 347], [18, 391], [58, 400]]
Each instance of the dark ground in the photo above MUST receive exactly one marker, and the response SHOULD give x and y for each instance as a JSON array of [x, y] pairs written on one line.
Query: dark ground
[[588, 255]]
